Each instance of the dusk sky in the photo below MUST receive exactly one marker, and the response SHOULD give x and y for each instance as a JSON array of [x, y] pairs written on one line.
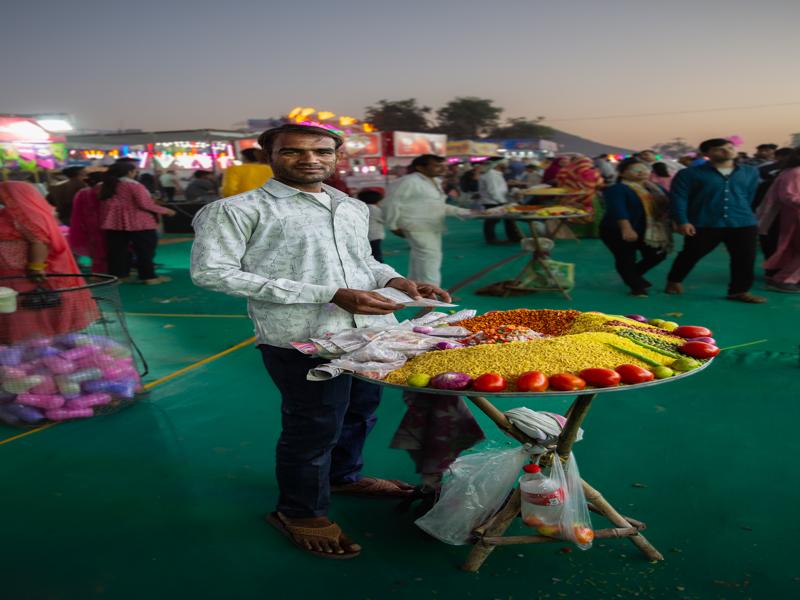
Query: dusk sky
[[179, 64]]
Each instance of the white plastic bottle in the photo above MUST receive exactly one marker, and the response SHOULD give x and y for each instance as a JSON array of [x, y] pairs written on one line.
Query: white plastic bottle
[[542, 501]]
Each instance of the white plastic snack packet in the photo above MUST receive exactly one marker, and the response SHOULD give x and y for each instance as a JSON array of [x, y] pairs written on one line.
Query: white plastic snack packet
[[406, 300]]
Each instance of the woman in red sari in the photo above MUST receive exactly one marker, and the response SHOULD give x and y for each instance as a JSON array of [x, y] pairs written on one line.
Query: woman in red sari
[[580, 175], [31, 246]]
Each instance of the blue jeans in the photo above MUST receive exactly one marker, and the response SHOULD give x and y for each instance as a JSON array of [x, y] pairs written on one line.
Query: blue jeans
[[324, 427]]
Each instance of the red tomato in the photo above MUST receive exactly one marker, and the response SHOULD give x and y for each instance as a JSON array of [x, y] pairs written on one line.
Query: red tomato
[[634, 374], [489, 382], [699, 349], [532, 381], [566, 382], [692, 331], [601, 377]]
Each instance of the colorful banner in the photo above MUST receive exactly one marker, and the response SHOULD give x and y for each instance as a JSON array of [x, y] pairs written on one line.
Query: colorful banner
[[360, 145], [407, 143]]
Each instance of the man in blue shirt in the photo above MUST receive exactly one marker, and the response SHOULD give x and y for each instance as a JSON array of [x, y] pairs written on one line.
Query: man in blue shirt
[[711, 203]]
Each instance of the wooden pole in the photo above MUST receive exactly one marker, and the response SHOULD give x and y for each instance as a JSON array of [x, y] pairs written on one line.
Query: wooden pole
[[502, 520], [609, 512], [577, 413], [491, 411], [599, 534]]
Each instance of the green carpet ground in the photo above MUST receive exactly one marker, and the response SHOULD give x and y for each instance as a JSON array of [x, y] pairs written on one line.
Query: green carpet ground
[[165, 499]]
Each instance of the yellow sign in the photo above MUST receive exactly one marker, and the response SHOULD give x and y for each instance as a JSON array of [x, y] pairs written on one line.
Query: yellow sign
[[471, 148]]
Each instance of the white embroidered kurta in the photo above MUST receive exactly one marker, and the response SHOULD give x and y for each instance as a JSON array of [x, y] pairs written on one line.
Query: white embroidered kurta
[[288, 254], [417, 203]]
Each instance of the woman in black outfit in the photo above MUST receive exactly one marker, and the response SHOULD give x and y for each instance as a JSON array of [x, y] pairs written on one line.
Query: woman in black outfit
[[636, 223]]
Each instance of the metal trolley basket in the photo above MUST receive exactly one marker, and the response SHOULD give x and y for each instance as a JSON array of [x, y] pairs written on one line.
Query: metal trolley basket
[[65, 349]]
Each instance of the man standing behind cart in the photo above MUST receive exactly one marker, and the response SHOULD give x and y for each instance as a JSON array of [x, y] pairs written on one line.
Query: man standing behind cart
[[298, 250], [494, 193]]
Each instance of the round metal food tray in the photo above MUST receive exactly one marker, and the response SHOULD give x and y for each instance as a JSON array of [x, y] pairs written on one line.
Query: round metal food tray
[[588, 390]]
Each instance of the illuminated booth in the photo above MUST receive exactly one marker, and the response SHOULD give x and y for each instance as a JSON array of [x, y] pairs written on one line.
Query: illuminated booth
[[25, 145], [185, 150]]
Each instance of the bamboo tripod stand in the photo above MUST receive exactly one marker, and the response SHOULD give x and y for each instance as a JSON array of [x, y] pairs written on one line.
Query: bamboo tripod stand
[[490, 535], [539, 255]]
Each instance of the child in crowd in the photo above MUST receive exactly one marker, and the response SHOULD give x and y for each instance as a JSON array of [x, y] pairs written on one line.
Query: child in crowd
[[377, 232]]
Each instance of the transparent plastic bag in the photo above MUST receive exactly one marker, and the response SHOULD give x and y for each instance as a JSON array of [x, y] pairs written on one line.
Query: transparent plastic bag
[[575, 525], [372, 369], [474, 488]]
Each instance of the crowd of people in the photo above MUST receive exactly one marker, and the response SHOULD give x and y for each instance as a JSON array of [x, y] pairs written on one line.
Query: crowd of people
[[715, 196], [718, 195]]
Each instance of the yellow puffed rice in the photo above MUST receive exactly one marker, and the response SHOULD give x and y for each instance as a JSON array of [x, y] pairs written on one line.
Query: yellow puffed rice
[[568, 353]]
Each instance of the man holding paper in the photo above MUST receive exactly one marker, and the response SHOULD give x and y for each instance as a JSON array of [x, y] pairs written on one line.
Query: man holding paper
[[298, 251]]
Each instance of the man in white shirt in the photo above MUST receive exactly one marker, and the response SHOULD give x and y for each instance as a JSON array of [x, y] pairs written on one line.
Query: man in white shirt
[[298, 251], [494, 192], [169, 184], [415, 209]]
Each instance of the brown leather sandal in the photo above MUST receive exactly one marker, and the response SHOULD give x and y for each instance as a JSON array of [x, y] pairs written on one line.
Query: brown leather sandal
[[372, 487], [330, 533]]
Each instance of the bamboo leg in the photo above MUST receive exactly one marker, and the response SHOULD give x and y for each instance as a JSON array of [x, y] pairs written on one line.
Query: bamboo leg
[[491, 411], [541, 258], [599, 534], [610, 513], [502, 521], [637, 524], [575, 416]]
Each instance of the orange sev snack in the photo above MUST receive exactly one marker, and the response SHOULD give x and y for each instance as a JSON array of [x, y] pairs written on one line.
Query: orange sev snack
[[547, 322]]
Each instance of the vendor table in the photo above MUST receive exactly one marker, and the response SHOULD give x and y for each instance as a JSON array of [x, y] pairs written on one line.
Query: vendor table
[[540, 253], [489, 535], [542, 194]]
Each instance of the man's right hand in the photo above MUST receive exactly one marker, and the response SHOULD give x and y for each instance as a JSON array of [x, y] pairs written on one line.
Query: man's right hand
[[399, 233], [687, 229], [359, 302]]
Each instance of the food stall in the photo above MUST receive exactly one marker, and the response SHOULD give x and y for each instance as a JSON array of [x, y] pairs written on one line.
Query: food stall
[[532, 356], [25, 145]]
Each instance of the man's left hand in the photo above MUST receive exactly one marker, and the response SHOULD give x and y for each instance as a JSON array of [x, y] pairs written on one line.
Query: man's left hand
[[428, 290], [405, 285]]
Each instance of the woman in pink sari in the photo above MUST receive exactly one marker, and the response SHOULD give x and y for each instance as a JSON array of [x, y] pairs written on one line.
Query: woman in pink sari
[[31, 246], [782, 202]]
